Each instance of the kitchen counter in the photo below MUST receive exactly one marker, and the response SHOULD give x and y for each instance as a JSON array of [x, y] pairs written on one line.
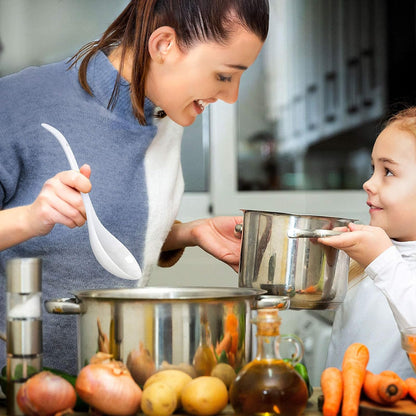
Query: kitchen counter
[[311, 408]]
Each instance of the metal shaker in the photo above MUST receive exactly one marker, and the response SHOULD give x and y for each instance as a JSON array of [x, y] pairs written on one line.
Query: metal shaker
[[24, 325]]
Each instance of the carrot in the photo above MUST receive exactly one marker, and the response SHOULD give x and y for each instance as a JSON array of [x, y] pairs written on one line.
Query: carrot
[[382, 389], [354, 366], [103, 341], [394, 375], [231, 358], [392, 389], [411, 385], [231, 322], [310, 289], [225, 344], [234, 342], [412, 359], [411, 340], [229, 343], [331, 384]]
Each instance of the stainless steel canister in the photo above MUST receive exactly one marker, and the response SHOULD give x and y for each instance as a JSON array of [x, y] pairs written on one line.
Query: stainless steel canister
[[24, 325], [281, 255]]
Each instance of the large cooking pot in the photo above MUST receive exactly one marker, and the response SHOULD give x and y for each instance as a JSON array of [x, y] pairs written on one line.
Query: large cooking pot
[[281, 255], [178, 326]]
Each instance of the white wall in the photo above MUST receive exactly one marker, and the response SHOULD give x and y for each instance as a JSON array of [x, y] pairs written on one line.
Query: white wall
[[195, 268], [38, 32]]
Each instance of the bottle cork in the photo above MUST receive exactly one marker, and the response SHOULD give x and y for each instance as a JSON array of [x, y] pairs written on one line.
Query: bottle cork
[[268, 322]]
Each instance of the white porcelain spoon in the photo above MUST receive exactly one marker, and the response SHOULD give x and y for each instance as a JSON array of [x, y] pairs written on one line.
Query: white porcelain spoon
[[108, 250]]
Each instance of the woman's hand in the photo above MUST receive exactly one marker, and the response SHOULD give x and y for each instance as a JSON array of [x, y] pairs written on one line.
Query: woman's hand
[[363, 243], [214, 235], [60, 202]]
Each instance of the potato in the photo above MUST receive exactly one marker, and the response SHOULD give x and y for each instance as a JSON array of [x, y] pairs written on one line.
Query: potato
[[176, 379], [185, 367], [225, 373], [159, 399], [204, 395]]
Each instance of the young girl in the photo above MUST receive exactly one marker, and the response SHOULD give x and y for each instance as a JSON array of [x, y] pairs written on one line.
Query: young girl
[[382, 285], [121, 102]]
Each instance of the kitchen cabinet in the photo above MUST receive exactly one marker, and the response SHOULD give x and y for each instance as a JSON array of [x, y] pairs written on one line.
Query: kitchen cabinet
[[325, 68]]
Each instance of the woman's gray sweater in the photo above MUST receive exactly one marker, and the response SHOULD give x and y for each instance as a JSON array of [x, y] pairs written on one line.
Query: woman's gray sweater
[[136, 181]]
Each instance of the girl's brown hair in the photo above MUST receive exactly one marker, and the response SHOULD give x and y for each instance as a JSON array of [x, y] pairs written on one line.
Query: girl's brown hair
[[193, 21], [406, 118]]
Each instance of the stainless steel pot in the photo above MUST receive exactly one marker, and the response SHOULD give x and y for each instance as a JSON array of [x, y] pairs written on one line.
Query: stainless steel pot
[[176, 325], [281, 255]]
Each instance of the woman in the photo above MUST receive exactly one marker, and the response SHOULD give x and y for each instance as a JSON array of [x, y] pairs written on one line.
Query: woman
[[122, 103]]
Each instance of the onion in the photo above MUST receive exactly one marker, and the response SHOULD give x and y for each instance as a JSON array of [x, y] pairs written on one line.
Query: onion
[[109, 388], [140, 364], [45, 394], [101, 357]]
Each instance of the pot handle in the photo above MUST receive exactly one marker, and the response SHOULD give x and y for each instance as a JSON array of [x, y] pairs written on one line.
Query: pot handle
[[63, 306], [272, 301], [238, 230], [298, 233]]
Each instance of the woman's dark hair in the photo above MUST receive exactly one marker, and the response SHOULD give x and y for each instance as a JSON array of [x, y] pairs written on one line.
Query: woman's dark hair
[[193, 20]]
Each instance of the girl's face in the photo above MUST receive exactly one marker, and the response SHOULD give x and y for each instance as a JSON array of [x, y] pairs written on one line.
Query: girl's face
[[392, 187], [183, 83]]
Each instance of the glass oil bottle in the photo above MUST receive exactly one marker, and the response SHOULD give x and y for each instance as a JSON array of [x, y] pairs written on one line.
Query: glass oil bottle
[[204, 359], [268, 385]]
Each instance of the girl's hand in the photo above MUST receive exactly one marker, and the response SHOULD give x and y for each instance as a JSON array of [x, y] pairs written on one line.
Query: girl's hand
[[363, 243], [60, 202]]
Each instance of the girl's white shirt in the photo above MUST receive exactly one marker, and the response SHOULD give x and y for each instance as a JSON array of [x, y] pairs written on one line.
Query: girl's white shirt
[[394, 274], [377, 306]]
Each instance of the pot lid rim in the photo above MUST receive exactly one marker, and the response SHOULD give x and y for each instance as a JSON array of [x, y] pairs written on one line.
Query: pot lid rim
[[163, 293], [311, 216]]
